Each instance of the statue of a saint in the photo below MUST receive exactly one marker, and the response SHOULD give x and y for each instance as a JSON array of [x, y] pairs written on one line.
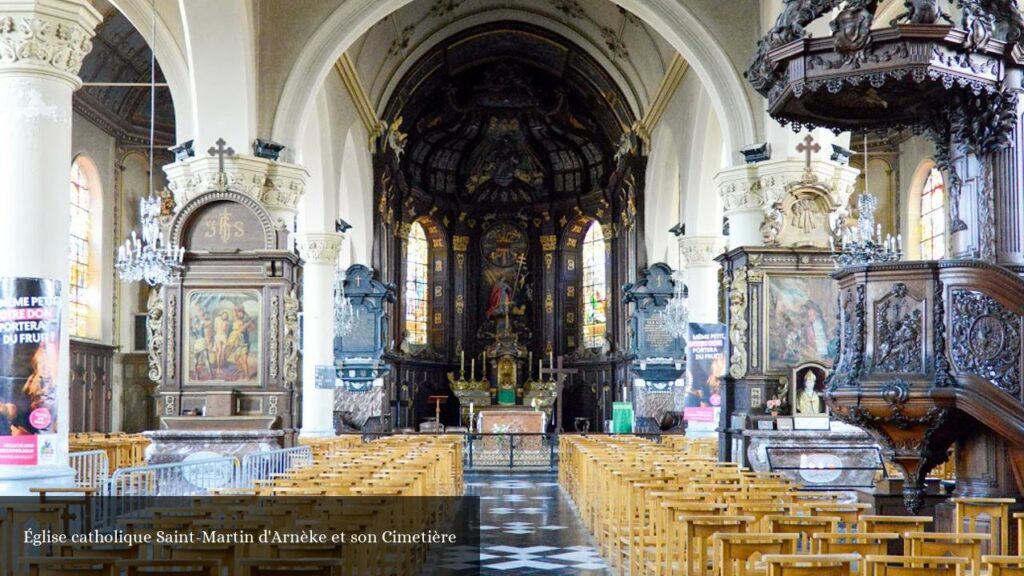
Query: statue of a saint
[[808, 401]]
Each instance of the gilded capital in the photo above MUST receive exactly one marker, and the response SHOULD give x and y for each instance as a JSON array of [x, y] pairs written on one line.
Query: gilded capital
[[460, 243], [548, 242]]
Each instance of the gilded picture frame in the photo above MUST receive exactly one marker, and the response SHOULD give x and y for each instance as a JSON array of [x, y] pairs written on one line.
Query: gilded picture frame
[[223, 337]]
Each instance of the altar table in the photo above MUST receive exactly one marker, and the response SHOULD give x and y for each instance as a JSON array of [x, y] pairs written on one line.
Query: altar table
[[497, 421]]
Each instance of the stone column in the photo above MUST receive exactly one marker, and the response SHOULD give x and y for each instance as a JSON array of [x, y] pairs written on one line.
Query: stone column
[[702, 275], [42, 45], [320, 253]]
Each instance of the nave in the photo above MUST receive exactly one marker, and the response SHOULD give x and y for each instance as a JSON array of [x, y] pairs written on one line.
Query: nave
[[618, 504]]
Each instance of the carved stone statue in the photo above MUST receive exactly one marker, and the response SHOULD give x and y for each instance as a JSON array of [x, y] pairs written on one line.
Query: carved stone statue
[[771, 227]]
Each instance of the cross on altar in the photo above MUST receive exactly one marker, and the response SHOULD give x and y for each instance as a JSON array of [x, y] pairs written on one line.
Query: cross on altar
[[220, 151], [558, 372], [807, 148]]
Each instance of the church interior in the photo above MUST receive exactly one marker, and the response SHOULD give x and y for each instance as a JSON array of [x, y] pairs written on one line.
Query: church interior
[[644, 287]]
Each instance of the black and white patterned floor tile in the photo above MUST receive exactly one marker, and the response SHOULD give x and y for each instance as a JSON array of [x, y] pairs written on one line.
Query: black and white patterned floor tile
[[528, 526]]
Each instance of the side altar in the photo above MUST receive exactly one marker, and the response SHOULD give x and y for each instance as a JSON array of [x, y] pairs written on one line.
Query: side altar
[[223, 337]]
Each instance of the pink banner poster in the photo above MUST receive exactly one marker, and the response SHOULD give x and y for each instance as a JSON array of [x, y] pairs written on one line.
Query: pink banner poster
[[18, 451], [699, 414], [30, 316]]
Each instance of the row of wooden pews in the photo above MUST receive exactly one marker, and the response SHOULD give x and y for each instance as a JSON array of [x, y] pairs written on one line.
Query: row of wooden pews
[[123, 450], [378, 476], [668, 509]]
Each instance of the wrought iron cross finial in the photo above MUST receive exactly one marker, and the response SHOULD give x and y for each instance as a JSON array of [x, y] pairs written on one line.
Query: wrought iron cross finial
[[220, 151], [808, 147]]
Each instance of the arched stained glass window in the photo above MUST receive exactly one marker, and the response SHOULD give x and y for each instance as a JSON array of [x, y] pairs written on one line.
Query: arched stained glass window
[[416, 284], [595, 287], [78, 252], [933, 217]]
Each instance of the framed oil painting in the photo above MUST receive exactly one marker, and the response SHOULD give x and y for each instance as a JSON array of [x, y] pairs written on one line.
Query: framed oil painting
[[796, 326], [223, 337]]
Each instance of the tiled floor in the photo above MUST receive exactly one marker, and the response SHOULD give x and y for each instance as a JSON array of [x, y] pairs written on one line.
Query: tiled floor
[[529, 526]]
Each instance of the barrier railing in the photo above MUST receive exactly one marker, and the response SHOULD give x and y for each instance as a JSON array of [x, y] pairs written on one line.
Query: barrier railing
[[263, 465], [91, 468], [186, 478]]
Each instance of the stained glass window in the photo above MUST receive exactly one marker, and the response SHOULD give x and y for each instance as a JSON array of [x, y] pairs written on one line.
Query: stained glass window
[[595, 287], [933, 217], [416, 269], [78, 253]]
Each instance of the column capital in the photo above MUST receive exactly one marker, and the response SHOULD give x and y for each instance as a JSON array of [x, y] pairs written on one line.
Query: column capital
[[701, 250], [759, 186], [46, 37], [277, 185], [319, 247]]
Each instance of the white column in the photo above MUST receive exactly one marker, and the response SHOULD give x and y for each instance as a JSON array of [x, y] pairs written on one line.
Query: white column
[[320, 253], [699, 254], [45, 43]]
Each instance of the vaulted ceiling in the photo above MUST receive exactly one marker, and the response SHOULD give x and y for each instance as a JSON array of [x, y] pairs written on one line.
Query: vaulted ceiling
[[121, 55], [508, 113]]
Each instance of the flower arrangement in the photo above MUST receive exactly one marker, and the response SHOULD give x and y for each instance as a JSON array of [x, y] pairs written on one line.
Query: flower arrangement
[[773, 405]]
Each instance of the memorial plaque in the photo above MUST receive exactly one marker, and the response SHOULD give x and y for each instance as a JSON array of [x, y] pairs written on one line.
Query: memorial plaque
[[656, 335]]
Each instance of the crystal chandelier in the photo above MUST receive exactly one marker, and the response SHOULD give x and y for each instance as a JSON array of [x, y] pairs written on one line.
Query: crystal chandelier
[[148, 258], [676, 314], [345, 315], [863, 243]]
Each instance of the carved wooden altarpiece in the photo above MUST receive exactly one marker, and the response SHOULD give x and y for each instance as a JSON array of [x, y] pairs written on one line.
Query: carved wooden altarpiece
[[224, 337]]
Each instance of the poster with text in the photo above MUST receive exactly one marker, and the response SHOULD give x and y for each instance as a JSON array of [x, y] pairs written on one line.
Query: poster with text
[[30, 317], [705, 364]]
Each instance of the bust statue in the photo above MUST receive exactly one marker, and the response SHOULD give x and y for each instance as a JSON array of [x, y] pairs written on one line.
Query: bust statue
[[808, 401]]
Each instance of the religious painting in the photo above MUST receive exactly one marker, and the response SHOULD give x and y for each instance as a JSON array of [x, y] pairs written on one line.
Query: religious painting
[[796, 325], [808, 390], [503, 244], [223, 338]]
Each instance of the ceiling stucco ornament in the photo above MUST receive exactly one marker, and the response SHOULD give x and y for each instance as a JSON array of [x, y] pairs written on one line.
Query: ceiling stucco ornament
[[570, 8], [47, 34], [278, 186]]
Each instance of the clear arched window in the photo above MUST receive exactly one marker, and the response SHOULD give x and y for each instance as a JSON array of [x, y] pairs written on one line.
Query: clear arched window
[[78, 252], [416, 284], [933, 217], [595, 287]]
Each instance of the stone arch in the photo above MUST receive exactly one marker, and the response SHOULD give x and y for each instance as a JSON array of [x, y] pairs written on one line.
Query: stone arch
[[674, 21]]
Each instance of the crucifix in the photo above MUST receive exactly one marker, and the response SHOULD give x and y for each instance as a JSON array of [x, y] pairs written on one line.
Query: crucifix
[[558, 372], [220, 151], [808, 147]]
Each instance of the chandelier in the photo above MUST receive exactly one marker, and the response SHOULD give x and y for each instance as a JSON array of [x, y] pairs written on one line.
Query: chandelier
[[863, 243], [676, 314], [148, 258], [345, 315]]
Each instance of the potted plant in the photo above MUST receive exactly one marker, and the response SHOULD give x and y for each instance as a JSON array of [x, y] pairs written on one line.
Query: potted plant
[[773, 405]]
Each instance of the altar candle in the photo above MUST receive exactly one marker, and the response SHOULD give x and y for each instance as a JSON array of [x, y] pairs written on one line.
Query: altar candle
[[529, 366], [623, 391], [540, 368], [483, 370], [462, 361], [472, 368], [551, 359]]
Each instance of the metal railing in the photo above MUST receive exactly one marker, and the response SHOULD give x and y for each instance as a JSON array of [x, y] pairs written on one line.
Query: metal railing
[[92, 469], [263, 465], [186, 478]]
